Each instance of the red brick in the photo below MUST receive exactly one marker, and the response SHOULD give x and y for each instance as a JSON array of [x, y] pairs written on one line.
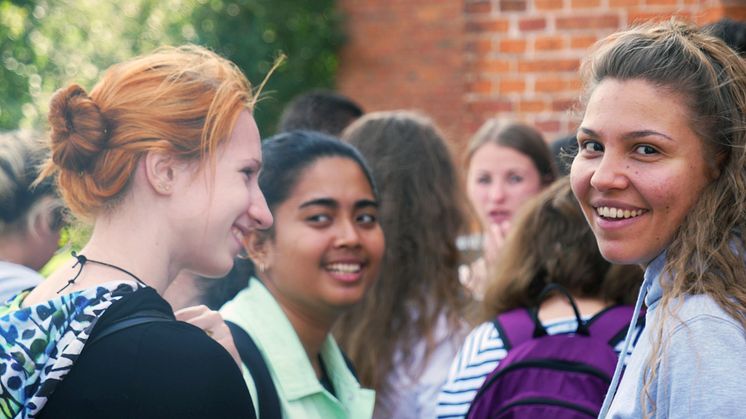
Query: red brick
[[543, 5], [588, 22], [531, 106], [549, 43], [479, 46], [584, 4], [480, 86], [624, 3], [563, 104], [532, 24], [512, 86], [512, 46], [547, 126], [661, 2], [512, 5], [492, 66], [550, 85], [491, 106], [531, 66], [582, 41], [491, 25], [478, 7]]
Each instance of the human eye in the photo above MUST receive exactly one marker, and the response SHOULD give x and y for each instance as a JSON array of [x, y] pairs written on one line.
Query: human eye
[[367, 219], [590, 146], [646, 150], [319, 219], [484, 179], [249, 172], [514, 178]]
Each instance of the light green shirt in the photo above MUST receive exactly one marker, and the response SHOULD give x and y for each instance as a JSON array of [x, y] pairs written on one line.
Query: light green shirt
[[300, 392]]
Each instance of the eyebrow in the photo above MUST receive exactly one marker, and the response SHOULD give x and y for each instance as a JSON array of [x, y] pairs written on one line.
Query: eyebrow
[[332, 203], [630, 135]]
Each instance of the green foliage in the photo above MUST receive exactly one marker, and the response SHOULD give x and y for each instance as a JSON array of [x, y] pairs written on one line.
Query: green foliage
[[47, 44]]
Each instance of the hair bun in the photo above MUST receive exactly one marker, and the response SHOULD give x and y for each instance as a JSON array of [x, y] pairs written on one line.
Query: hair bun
[[79, 130]]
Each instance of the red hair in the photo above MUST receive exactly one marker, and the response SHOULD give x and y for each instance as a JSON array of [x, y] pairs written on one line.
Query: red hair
[[178, 100]]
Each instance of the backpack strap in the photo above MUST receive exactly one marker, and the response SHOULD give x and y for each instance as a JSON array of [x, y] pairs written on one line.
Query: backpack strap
[[140, 317], [269, 403], [515, 327], [611, 324]]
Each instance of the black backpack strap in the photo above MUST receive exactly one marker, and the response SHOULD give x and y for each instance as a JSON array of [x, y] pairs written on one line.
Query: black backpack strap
[[140, 317], [269, 403]]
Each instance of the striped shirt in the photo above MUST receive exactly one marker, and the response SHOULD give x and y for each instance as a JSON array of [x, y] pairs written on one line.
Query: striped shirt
[[480, 354]]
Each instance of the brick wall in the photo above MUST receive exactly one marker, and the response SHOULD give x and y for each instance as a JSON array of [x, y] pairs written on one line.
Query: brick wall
[[462, 61]]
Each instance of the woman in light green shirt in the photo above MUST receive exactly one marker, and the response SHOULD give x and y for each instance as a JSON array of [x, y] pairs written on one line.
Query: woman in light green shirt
[[318, 259]]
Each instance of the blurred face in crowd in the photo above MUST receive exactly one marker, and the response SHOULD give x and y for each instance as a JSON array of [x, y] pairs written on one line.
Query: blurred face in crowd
[[499, 180]]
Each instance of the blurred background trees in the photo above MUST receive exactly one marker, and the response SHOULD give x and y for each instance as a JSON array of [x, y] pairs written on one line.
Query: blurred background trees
[[46, 44]]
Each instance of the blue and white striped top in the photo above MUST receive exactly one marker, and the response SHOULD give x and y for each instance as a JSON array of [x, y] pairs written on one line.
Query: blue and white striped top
[[480, 354]]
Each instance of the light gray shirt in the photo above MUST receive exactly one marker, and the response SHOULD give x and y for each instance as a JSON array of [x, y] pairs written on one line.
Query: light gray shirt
[[704, 362]]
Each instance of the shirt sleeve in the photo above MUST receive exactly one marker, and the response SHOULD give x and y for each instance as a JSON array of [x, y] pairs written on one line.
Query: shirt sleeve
[[480, 354], [701, 373]]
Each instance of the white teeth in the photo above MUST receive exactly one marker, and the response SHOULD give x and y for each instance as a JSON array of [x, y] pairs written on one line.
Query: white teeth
[[344, 267], [607, 212]]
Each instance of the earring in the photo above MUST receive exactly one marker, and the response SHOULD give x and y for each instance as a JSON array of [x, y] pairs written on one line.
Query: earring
[[261, 266], [164, 187]]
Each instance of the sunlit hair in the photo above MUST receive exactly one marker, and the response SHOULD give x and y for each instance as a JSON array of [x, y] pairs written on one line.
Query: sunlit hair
[[551, 243], [178, 100], [520, 137], [421, 215], [707, 251], [21, 153]]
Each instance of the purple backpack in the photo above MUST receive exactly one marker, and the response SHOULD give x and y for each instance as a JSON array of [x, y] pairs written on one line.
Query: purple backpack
[[558, 376]]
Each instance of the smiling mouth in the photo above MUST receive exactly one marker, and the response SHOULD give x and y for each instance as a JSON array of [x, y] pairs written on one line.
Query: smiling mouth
[[618, 213], [344, 268]]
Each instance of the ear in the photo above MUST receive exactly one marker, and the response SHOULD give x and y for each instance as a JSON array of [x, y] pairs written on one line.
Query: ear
[[257, 246], [720, 161], [160, 171]]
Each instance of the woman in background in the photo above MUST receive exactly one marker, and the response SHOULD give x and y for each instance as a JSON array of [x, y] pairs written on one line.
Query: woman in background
[[405, 332], [31, 217], [506, 165], [550, 243]]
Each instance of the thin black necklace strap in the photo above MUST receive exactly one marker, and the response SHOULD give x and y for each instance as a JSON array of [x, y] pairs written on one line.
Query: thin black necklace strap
[[82, 260]]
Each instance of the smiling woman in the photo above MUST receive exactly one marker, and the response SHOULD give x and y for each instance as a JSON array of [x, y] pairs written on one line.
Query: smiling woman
[[661, 179], [161, 157], [319, 259]]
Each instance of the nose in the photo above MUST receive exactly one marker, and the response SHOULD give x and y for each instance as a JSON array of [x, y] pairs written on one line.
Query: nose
[[259, 212], [347, 234], [496, 192], [610, 174]]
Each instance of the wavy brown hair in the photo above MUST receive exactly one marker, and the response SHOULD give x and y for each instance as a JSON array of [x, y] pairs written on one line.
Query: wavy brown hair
[[706, 253], [551, 243], [421, 215], [182, 101]]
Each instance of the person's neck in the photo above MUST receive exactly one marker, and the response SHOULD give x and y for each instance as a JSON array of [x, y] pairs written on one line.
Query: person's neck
[[135, 245], [557, 307], [312, 328]]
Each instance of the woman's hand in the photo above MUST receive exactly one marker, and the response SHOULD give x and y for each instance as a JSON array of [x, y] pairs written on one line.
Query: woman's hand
[[494, 240], [212, 323]]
